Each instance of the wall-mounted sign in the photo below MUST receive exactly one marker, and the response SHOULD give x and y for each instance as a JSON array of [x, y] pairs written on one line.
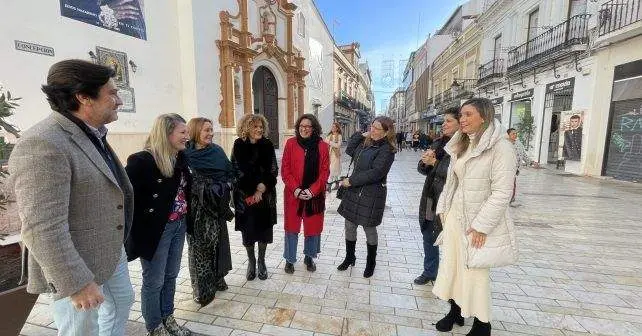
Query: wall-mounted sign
[[126, 94], [522, 94], [560, 85], [116, 60], [34, 48], [497, 101], [125, 17]]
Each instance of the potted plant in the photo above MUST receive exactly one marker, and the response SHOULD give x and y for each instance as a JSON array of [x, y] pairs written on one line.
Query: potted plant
[[13, 291]]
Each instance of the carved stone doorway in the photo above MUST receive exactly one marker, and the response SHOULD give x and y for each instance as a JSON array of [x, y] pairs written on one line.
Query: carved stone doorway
[[266, 100]]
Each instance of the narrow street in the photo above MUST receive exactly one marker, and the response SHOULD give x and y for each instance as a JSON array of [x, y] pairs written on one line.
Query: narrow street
[[580, 271]]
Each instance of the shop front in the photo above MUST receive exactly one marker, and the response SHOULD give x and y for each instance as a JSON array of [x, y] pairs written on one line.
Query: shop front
[[623, 155], [565, 125]]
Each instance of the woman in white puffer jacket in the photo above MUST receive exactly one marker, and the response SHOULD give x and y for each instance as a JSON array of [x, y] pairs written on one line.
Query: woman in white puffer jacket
[[478, 232]]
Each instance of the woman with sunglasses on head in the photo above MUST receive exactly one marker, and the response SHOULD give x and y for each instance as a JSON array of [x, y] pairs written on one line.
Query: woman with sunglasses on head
[[305, 168], [364, 198]]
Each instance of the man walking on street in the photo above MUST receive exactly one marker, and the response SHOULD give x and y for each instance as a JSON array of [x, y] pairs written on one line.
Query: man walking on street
[[522, 157], [75, 202]]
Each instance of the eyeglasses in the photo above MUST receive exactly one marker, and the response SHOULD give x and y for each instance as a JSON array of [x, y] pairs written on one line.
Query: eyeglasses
[[377, 128], [305, 126]]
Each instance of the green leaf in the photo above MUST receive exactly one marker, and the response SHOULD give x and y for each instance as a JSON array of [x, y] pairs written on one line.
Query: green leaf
[[9, 95]]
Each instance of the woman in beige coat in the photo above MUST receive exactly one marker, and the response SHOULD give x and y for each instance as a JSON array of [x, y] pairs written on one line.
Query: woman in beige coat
[[334, 139], [478, 232]]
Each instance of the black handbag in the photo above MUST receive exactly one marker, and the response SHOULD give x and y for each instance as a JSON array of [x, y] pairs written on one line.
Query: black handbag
[[341, 190]]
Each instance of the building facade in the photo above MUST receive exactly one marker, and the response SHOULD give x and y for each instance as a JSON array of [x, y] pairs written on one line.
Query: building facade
[[216, 59], [454, 71], [353, 107]]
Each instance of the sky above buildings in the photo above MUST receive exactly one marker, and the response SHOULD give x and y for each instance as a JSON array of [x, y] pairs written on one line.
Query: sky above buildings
[[388, 31]]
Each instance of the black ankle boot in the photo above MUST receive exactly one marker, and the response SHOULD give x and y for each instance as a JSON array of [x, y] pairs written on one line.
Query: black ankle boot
[[453, 316], [263, 274], [251, 263], [350, 257], [371, 261], [479, 328], [309, 263]]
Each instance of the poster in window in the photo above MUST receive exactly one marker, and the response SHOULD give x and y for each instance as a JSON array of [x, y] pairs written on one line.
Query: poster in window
[[571, 143], [123, 16]]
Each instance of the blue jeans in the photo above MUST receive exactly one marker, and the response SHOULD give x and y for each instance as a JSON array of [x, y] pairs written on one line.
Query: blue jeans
[[431, 253], [159, 275], [311, 246], [109, 319]]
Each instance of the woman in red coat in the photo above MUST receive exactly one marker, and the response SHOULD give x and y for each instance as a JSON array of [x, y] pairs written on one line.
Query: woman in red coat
[[305, 168]]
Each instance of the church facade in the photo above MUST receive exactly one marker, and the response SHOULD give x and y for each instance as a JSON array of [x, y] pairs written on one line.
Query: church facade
[[214, 59]]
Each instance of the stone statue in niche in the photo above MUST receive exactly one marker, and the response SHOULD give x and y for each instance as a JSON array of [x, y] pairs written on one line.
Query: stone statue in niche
[[268, 22]]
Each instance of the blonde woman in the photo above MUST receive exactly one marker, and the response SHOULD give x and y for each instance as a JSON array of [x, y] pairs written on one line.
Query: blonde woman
[[477, 229], [161, 181], [334, 139], [253, 155], [209, 243]]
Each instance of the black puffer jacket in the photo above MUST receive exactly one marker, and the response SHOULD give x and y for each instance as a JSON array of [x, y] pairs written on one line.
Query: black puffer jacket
[[435, 178], [364, 201]]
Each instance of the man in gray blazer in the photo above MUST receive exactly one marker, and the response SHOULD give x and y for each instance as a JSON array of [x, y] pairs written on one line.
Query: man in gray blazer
[[75, 202]]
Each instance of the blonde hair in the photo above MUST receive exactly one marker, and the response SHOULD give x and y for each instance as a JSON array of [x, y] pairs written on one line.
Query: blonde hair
[[486, 111], [158, 142], [195, 125], [247, 122], [388, 126]]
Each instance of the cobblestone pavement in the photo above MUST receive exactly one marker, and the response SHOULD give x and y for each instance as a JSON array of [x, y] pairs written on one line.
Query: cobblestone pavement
[[580, 271]]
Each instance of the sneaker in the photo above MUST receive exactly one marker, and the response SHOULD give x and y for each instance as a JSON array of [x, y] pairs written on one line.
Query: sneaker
[[174, 329], [423, 280], [159, 331]]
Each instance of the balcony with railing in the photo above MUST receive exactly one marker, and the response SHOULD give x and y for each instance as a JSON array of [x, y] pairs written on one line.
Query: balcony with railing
[[464, 88], [490, 70], [557, 42], [618, 17]]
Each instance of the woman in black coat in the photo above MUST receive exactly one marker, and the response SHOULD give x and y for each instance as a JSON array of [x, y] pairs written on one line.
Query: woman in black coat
[[209, 244], [255, 192], [364, 195], [434, 164], [161, 181]]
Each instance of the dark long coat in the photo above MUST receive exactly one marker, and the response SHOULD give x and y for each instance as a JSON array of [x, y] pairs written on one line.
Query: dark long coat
[[435, 179], [364, 201], [257, 164]]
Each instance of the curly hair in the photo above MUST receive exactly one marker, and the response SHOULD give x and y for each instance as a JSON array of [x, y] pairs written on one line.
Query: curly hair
[[246, 123]]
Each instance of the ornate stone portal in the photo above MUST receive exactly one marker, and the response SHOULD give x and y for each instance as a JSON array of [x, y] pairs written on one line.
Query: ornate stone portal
[[239, 47]]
